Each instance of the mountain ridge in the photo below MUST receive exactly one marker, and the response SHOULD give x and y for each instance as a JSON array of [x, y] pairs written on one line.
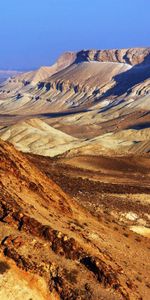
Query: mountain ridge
[[88, 93]]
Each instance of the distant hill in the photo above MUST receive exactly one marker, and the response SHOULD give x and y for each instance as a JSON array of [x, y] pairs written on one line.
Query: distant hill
[[4, 74]]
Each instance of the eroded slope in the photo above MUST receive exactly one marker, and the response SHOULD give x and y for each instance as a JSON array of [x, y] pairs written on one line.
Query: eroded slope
[[48, 234]]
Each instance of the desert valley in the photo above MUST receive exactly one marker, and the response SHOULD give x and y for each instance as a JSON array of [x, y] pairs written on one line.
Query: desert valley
[[75, 178]]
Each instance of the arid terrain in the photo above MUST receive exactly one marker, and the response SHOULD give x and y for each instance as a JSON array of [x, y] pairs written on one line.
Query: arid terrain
[[75, 178], [78, 253], [100, 97]]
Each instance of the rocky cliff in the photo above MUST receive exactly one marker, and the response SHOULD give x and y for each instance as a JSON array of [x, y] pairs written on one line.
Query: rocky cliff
[[132, 56]]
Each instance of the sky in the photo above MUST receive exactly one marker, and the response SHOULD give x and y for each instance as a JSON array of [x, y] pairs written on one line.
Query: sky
[[35, 32]]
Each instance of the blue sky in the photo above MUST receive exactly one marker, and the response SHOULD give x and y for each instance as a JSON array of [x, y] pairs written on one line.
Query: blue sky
[[35, 33]]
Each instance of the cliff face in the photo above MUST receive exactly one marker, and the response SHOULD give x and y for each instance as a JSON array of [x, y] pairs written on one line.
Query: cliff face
[[132, 56]]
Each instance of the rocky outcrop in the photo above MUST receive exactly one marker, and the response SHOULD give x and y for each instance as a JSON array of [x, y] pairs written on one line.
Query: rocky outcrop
[[63, 86], [132, 56], [58, 278]]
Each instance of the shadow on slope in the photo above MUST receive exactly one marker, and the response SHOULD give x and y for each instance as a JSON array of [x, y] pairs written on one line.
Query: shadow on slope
[[140, 126], [126, 80], [62, 113]]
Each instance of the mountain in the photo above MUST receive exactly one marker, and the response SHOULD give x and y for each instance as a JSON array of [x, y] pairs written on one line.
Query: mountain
[[85, 95], [89, 70]]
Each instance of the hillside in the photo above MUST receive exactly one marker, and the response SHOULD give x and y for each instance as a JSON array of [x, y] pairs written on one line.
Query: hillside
[[44, 237], [36, 136]]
